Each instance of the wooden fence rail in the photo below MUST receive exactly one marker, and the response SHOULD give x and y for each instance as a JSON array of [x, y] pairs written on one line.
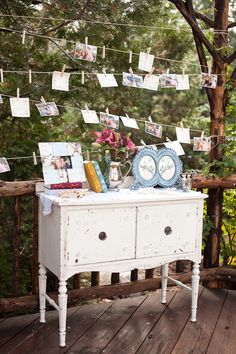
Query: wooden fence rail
[[18, 189]]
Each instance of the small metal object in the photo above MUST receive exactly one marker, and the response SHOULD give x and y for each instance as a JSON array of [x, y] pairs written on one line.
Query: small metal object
[[167, 230], [102, 235]]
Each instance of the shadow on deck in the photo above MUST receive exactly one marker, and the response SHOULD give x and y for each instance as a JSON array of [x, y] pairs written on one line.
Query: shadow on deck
[[138, 324]]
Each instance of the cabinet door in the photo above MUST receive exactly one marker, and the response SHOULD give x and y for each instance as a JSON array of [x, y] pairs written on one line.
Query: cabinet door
[[166, 229], [101, 235]]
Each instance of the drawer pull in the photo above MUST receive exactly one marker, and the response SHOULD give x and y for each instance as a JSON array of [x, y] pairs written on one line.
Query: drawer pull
[[167, 230], [102, 235]]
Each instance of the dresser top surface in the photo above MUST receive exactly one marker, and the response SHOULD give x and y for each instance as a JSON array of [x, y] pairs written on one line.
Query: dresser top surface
[[126, 196]]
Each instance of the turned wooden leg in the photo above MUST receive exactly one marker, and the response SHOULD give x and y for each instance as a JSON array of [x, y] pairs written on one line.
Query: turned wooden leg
[[195, 287], [62, 302], [42, 292], [164, 274]]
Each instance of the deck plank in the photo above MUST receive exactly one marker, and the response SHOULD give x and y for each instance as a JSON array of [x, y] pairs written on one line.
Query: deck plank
[[98, 336], [133, 333], [196, 336], [167, 330], [223, 340]]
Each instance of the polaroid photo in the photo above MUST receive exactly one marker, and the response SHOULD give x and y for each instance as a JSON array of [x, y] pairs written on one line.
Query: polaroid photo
[[182, 82], [110, 120], [20, 107], [1, 100], [48, 109], [107, 80], [74, 149], [132, 80], [168, 80], [201, 144], [151, 82], [90, 116], [153, 129], [45, 149], [60, 81], [208, 80], [129, 122], [85, 52], [183, 135], [145, 62], [176, 146], [4, 166]]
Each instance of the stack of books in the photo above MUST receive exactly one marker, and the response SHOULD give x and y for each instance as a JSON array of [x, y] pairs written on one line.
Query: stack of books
[[94, 176], [55, 189]]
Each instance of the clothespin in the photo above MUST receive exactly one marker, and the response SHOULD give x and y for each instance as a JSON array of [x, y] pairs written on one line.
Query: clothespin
[[167, 139], [142, 142], [127, 116], [30, 76], [107, 110], [104, 71], [18, 93], [86, 42], [23, 36], [202, 135], [148, 51], [167, 71], [43, 100], [103, 52], [1, 74], [183, 71], [63, 69], [130, 56], [86, 107], [181, 124], [151, 71], [150, 119], [34, 159], [131, 71], [209, 70], [82, 77], [87, 155]]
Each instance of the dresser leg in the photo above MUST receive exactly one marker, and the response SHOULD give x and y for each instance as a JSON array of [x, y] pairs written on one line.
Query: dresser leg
[[195, 287], [42, 292], [62, 302], [164, 274]]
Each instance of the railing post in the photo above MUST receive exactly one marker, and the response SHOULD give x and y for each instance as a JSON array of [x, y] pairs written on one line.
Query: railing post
[[35, 265], [16, 248]]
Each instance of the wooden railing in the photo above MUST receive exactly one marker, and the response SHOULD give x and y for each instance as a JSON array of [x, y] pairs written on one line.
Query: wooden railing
[[25, 191]]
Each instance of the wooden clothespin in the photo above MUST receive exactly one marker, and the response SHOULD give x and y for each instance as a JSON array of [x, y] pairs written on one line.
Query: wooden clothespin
[[167, 71], [202, 135], [1, 74], [104, 71], [148, 51], [151, 71], [150, 119], [63, 69], [43, 100], [107, 110], [127, 116], [130, 56], [23, 36], [82, 77], [209, 70], [181, 124], [131, 71], [86, 107], [86, 42], [183, 71], [30, 76], [103, 52], [143, 142], [34, 159], [18, 93], [167, 139]]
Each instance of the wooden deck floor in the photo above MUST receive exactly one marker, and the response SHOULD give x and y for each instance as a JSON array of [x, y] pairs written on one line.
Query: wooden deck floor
[[133, 325]]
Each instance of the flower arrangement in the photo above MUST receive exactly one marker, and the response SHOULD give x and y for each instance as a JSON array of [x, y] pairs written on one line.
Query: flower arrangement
[[119, 144]]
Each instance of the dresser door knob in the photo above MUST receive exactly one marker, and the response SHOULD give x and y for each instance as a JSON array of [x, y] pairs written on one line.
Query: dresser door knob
[[102, 235], [167, 230]]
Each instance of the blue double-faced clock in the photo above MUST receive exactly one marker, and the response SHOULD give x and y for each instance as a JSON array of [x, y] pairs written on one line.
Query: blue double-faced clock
[[156, 168]]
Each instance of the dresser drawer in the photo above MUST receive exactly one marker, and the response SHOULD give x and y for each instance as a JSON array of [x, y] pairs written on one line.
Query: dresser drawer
[[101, 235], [166, 229]]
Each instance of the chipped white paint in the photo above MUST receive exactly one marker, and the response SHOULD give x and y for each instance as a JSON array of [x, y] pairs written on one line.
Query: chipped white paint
[[117, 232]]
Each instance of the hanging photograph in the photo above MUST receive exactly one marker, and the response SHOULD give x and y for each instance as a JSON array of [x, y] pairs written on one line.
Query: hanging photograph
[[20, 107], [208, 80], [176, 146], [107, 80], [89, 116], [85, 52], [153, 129], [132, 80], [145, 61], [201, 144], [182, 82], [48, 109], [60, 81], [4, 166], [183, 135], [168, 80], [151, 82], [110, 120], [129, 122]]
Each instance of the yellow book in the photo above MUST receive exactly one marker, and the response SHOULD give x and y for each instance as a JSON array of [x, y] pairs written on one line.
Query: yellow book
[[92, 177]]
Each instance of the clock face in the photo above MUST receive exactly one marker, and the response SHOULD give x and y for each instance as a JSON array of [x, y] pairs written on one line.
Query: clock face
[[147, 167], [166, 167]]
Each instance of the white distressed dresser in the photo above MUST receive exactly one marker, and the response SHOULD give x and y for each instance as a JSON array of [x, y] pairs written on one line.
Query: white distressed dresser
[[116, 232]]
